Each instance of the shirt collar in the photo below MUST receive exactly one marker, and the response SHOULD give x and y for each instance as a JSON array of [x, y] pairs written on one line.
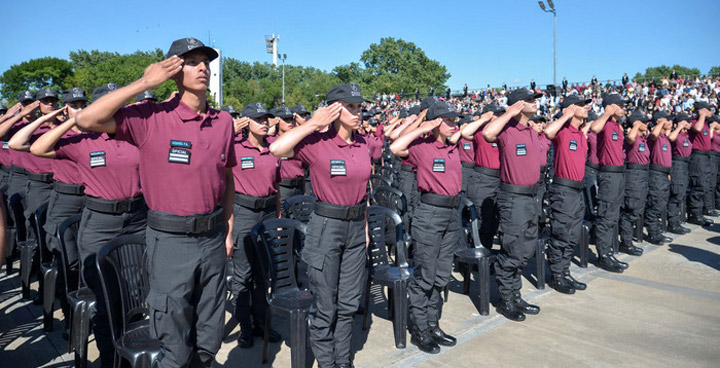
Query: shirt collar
[[246, 143], [341, 142], [187, 114]]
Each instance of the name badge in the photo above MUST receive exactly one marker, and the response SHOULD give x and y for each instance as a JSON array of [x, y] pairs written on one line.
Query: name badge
[[467, 146], [573, 146], [641, 148], [284, 158], [615, 136], [494, 144], [97, 159], [664, 147], [247, 162], [179, 152], [338, 168], [438, 165], [520, 150], [686, 143], [5, 145], [705, 132]]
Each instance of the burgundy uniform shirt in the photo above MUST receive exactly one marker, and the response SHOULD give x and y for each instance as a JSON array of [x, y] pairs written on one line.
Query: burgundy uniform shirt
[[519, 154], [716, 142], [700, 140], [467, 151], [592, 148], [638, 152], [544, 148], [34, 164], [339, 171], [183, 155], [16, 157], [660, 151], [610, 145], [257, 171], [570, 151], [438, 164], [66, 171], [682, 146], [486, 154], [109, 168]]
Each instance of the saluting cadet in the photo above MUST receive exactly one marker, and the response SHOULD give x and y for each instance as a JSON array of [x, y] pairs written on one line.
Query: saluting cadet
[[710, 198], [659, 176], [292, 172], [699, 164], [467, 154], [186, 155], [339, 162], [436, 223], [28, 109], [716, 154], [592, 164], [681, 150]]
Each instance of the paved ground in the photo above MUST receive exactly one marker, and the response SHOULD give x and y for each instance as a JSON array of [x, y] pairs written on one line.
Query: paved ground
[[664, 311]]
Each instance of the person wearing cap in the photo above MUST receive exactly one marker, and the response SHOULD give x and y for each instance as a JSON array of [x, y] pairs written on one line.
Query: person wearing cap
[[369, 127], [539, 123], [113, 202], [339, 163], [679, 180], [256, 199], [300, 114], [699, 164], [611, 180], [186, 155], [520, 160], [592, 165], [436, 227], [146, 96], [483, 188], [715, 181], [467, 155], [230, 109], [710, 200], [661, 139], [292, 173], [567, 206]]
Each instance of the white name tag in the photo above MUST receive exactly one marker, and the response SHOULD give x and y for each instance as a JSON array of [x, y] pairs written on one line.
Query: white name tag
[[438, 165], [97, 159], [247, 162], [338, 168]]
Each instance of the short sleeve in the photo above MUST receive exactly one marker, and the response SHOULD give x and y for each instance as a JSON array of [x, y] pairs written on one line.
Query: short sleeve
[[415, 151], [306, 151], [230, 150], [68, 148], [131, 123]]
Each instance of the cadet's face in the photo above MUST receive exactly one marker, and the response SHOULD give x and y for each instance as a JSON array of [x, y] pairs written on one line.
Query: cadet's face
[[350, 115], [583, 112], [195, 74], [48, 105], [286, 124], [447, 127], [530, 107], [259, 126], [74, 107]]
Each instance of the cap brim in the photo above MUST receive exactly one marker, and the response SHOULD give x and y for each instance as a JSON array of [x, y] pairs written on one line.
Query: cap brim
[[255, 116], [208, 51], [537, 95], [353, 99], [450, 114], [75, 99]]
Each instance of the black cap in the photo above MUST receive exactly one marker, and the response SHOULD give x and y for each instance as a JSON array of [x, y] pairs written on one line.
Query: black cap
[[403, 113], [538, 118], [414, 110], [465, 119], [521, 94], [427, 101], [254, 110], [45, 93], [347, 92], [698, 105], [574, 100], [441, 109], [74, 94], [283, 112], [614, 99], [493, 107], [659, 114], [592, 116], [682, 116], [230, 109], [103, 90], [300, 110], [26, 96], [184, 45], [637, 115], [715, 118], [477, 113], [3, 108], [147, 95]]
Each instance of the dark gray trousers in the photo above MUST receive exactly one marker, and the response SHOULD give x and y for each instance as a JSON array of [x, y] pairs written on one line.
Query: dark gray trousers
[[636, 191], [679, 181], [483, 192], [611, 189], [699, 171], [467, 177], [567, 208], [408, 186], [712, 182], [658, 195]]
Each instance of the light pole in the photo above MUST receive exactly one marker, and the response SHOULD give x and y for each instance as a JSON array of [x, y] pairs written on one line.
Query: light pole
[[283, 57], [552, 10]]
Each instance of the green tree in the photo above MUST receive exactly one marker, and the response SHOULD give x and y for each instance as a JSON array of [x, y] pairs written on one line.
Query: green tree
[[714, 71], [34, 74], [658, 72]]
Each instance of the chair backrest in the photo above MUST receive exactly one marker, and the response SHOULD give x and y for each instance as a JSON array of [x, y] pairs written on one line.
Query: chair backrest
[[590, 196], [377, 180], [8, 219], [18, 217], [469, 223], [67, 234], [37, 220], [299, 207], [378, 219], [390, 198], [121, 267], [276, 242]]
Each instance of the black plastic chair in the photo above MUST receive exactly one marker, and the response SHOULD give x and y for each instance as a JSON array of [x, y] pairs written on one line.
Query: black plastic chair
[[377, 180], [383, 272], [280, 239], [584, 244], [590, 196], [25, 247], [299, 207], [48, 267], [394, 200], [10, 235]]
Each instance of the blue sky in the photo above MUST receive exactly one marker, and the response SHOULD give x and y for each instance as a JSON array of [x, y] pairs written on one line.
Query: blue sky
[[480, 42]]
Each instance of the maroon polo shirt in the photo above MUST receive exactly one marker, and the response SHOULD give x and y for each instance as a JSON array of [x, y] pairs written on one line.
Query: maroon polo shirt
[[183, 155], [638, 152], [375, 144], [16, 157], [467, 150], [700, 140], [519, 154], [66, 171], [682, 146], [339, 171], [257, 171], [660, 151], [610, 145], [34, 164], [592, 148], [544, 148], [290, 168], [570, 151], [486, 154], [109, 168], [438, 165], [715, 145], [404, 161]]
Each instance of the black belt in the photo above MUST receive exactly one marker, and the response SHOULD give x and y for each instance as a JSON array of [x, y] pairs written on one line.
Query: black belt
[[660, 168], [114, 207], [291, 182], [440, 200], [467, 165], [406, 168], [543, 169], [18, 170], [612, 168], [488, 171], [255, 203], [575, 184], [193, 224], [341, 212], [5, 168], [592, 165], [377, 161], [66, 188], [681, 158], [44, 178], [520, 189], [716, 153], [631, 166], [701, 152]]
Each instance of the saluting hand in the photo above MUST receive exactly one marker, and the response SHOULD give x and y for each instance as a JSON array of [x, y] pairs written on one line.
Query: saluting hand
[[326, 115], [570, 110], [487, 116], [157, 73], [14, 109], [240, 123], [428, 125], [27, 110]]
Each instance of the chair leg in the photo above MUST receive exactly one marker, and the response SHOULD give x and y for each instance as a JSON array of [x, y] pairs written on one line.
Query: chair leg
[[26, 253], [266, 335], [466, 270], [390, 303], [584, 245], [50, 277], [484, 285], [298, 338], [366, 320], [540, 264], [401, 310], [639, 229]]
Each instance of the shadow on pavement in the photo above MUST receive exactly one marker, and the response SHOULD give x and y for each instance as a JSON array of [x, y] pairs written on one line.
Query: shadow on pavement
[[693, 254]]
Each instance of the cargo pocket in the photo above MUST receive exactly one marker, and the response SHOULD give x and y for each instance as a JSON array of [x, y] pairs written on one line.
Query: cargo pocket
[[157, 303], [311, 254]]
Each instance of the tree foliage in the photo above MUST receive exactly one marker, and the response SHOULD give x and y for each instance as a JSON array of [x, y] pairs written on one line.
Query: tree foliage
[[35, 74], [714, 71], [658, 72]]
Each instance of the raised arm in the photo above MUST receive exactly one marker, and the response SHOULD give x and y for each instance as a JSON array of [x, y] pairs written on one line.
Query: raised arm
[[553, 128], [45, 145], [655, 133], [700, 123], [400, 146], [599, 124], [468, 131], [634, 132], [25, 111], [11, 112], [21, 140], [285, 144], [493, 129], [674, 134]]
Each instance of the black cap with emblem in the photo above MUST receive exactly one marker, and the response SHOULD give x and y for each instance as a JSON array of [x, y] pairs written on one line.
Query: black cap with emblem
[[574, 100], [699, 105], [347, 92], [74, 94], [184, 45], [637, 115], [657, 115], [230, 109], [521, 94], [103, 90], [300, 110], [493, 107], [26, 96], [426, 102], [441, 109], [283, 112], [682, 117], [147, 95], [46, 93], [614, 99], [414, 110], [254, 110]]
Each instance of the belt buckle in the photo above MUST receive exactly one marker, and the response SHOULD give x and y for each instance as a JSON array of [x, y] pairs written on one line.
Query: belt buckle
[[200, 224], [121, 206]]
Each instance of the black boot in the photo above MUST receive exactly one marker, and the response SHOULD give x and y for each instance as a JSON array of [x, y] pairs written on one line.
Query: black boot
[[524, 306], [712, 212], [258, 331], [507, 308], [622, 264], [702, 221], [679, 230], [559, 283], [609, 263], [245, 339], [575, 283], [424, 342], [630, 249], [655, 239], [440, 337]]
